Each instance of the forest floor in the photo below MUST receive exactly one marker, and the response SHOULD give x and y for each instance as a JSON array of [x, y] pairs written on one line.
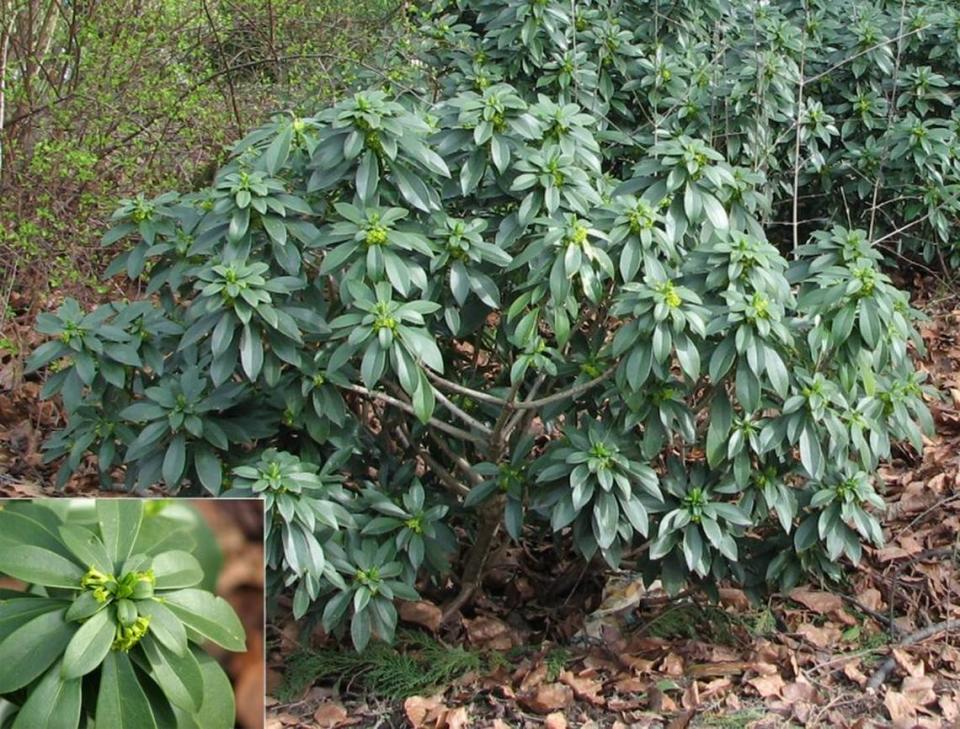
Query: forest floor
[[553, 645]]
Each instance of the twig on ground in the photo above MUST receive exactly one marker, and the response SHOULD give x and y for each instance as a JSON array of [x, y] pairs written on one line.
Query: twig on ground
[[880, 675], [953, 551], [875, 614]]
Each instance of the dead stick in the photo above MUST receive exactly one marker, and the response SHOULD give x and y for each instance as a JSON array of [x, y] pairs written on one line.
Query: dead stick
[[880, 675], [895, 582]]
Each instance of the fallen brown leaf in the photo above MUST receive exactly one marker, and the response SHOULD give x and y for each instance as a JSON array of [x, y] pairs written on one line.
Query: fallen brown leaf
[[548, 697], [767, 686], [420, 709], [735, 598], [457, 718], [919, 689], [584, 688], [871, 598], [422, 613], [556, 720], [851, 669], [533, 678], [797, 691], [821, 636], [630, 685], [902, 710], [330, 715], [819, 602], [490, 632], [913, 666], [672, 665], [949, 707]]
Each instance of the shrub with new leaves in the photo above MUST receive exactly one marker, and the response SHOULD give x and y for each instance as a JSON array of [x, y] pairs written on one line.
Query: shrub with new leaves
[[539, 283], [111, 627]]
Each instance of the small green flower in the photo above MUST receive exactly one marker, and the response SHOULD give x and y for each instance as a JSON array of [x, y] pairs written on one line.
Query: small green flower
[[128, 637], [378, 235]]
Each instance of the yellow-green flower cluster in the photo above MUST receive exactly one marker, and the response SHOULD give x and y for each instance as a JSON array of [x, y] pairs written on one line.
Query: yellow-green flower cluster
[[131, 627], [128, 636]]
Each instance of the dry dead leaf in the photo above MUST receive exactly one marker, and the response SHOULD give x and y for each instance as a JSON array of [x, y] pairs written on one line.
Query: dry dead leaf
[[556, 720], [821, 636], [548, 697], [672, 665], [330, 715], [735, 598], [714, 687], [819, 602], [919, 689], [421, 612], [902, 710], [949, 707], [584, 688], [851, 669], [799, 691], [767, 686], [489, 632], [871, 598], [533, 678], [457, 718], [913, 666], [631, 685], [420, 709]]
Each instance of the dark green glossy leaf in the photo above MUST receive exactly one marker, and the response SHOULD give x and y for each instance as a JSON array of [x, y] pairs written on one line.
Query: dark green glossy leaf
[[176, 569], [86, 547], [121, 702], [164, 625], [89, 645], [52, 704], [40, 566], [120, 521], [210, 616], [178, 676], [32, 648]]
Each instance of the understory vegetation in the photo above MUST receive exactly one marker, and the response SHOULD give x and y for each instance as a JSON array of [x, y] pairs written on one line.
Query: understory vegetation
[[614, 274], [113, 97]]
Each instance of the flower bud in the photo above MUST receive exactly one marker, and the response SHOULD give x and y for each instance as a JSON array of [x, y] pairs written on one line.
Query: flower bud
[[126, 612], [143, 589]]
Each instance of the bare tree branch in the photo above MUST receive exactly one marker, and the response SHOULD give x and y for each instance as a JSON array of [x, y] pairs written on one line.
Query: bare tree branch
[[407, 407]]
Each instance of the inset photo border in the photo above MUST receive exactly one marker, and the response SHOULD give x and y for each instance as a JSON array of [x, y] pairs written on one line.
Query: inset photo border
[[145, 613]]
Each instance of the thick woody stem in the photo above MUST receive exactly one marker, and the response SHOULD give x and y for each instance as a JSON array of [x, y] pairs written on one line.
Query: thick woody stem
[[490, 519]]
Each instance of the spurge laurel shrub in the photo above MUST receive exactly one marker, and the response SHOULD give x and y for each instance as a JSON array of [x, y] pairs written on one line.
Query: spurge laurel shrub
[[109, 633], [529, 283]]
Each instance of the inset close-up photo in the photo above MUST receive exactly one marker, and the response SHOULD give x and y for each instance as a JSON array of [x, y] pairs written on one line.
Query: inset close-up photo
[[139, 613]]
